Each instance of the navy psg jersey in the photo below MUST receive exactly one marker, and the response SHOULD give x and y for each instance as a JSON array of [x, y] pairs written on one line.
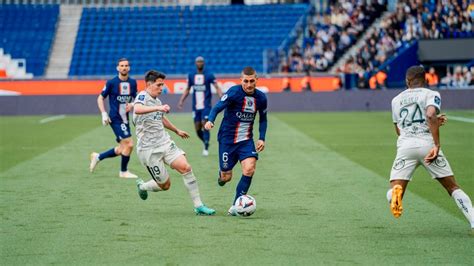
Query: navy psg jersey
[[239, 116], [120, 93], [201, 85]]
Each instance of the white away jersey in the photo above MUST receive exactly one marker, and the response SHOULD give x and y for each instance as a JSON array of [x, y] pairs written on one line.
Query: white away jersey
[[149, 127], [409, 112]]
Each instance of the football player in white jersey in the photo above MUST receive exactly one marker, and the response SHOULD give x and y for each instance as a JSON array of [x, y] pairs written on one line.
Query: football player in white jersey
[[155, 147], [415, 115]]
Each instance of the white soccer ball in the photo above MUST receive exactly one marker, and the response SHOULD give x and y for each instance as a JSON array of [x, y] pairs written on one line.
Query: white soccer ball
[[245, 205]]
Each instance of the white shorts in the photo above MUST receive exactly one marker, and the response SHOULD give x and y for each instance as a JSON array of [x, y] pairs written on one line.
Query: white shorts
[[407, 160], [155, 159]]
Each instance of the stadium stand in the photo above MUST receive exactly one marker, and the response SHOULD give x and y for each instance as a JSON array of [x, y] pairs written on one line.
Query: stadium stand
[[330, 33], [411, 21], [169, 38], [26, 32]]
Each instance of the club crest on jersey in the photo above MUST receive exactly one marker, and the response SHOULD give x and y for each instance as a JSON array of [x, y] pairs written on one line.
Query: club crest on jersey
[[249, 105], [158, 116], [124, 88], [199, 79]]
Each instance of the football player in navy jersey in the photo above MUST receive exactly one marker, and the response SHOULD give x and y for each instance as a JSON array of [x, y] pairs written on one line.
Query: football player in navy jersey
[[121, 91], [241, 104], [200, 81]]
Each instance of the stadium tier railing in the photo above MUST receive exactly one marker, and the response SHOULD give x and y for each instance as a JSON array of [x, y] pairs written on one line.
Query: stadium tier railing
[[120, 2]]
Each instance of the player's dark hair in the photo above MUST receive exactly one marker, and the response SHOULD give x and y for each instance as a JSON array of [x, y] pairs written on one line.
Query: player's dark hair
[[153, 75], [415, 76], [249, 71], [121, 60]]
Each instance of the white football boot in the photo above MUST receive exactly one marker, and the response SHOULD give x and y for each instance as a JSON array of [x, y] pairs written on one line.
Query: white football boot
[[232, 211], [127, 174], [94, 161]]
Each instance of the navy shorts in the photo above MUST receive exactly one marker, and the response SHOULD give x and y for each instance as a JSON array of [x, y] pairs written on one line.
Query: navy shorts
[[201, 115], [230, 154], [121, 131]]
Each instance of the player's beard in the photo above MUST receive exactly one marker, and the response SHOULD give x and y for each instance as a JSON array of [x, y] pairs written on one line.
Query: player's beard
[[250, 89], [124, 74]]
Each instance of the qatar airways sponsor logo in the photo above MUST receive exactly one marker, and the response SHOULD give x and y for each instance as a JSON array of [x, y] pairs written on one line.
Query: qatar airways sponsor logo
[[199, 87], [124, 98], [245, 117]]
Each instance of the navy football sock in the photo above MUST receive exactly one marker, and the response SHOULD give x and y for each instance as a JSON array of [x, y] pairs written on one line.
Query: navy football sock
[[200, 134], [107, 154], [243, 186], [125, 160], [206, 137]]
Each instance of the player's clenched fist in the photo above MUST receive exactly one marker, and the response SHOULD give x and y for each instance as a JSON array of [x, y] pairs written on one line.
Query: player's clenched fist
[[209, 125], [165, 108], [442, 119], [260, 145]]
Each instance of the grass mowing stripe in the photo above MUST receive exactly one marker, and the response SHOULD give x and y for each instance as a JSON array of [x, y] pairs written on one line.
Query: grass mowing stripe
[[369, 140], [461, 119], [314, 206], [23, 137], [52, 118]]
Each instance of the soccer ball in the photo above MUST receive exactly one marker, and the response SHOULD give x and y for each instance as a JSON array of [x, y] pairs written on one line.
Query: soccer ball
[[245, 205]]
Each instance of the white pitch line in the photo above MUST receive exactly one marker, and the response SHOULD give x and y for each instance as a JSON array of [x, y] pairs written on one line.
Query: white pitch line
[[8, 93], [52, 118], [462, 119]]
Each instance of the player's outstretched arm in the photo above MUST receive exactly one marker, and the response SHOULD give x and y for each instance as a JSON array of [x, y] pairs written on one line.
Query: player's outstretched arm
[[262, 126], [219, 107], [167, 124], [141, 109]]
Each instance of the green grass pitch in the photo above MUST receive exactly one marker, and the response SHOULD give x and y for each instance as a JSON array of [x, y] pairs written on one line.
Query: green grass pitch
[[320, 188]]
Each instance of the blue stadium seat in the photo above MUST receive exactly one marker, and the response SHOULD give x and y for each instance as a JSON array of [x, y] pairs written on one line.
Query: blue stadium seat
[[169, 38], [24, 25]]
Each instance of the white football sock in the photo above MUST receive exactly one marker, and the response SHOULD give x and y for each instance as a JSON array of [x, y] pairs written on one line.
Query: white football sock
[[151, 185], [389, 195], [465, 204], [191, 184]]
